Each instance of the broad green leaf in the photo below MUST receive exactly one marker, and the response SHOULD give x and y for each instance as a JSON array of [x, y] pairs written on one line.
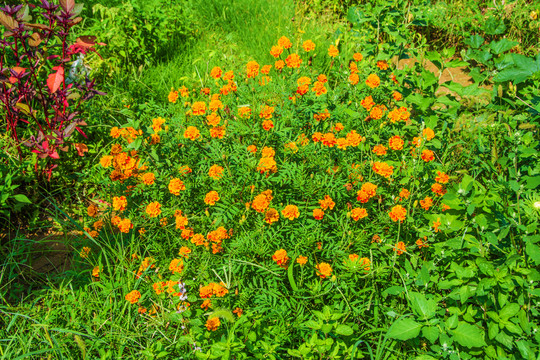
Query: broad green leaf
[[474, 41], [431, 333], [345, 330], [468, 335], [423, 307], [509, 311], [533, 251], [505, 339], [404, 329], [525, 349], [501, 46], [22, 199]]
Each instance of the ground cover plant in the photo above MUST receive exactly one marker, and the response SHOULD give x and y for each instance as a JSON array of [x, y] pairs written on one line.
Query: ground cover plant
[[317, 201]]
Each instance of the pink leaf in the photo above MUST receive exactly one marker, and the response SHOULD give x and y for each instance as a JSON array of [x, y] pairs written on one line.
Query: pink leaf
[[55, 79]]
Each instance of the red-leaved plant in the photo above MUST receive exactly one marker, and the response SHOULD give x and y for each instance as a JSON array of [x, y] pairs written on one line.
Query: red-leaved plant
[[39, 89]]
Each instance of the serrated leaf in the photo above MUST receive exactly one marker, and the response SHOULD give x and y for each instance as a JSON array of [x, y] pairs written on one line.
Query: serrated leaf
[[67, 5], [404, 329], [509, 311], [469, 335]]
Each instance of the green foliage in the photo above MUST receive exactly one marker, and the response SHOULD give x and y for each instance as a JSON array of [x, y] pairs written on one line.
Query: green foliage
[[138, 33], [463, 283]]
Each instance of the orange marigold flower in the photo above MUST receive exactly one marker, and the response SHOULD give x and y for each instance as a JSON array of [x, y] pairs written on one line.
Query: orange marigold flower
[[383, 169], [428, 134], [353, 67], [357, 57], [302, 89], [198, 108], [212, 324], [358, 213], [400, 248], [396, 143], [426, 203], [379, 150], [271, 216], [353, 138], [302, 260], [184, 91], [280, 257], [238, 311], [367, 103], [244, 112], [180, 221], [85, 252], [184, 252], [280, 64], [398, 213], [216, 72], [213, 119], [318, 214], [252, 149], [324, 270], [438, 189], [119, 203], [329, 139], [322, 78], [382, 64], [267, 164], [362, 196], [176, 266], [404, 193], [376, 113], [290, 212], [308, 45], [369, 188], [199, 240], [373, 81], [266, 69], [266, 112], [262, 201], [252, 69], [397, 96], [192, 133], [92, 210], [173, 96], [133, 297], [327, 203], [205, 91], [206, 304], [322, 116], [153, 209], [442, 178], [217, 132], [175, 185], [215, 172], [229, 76], [317, 137], [293, 61], [95, 272], [284, 42], [319, 88], [211, 198], [354, 78], [428, 155], [215, 105], [422, 243], [333, 51], [276, 51], [268, 125], [106, 161], [436, 225], [148, 178]]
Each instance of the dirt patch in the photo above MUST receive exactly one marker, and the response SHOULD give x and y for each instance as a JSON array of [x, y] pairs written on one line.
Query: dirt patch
[[458, 74], [51, 255]]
